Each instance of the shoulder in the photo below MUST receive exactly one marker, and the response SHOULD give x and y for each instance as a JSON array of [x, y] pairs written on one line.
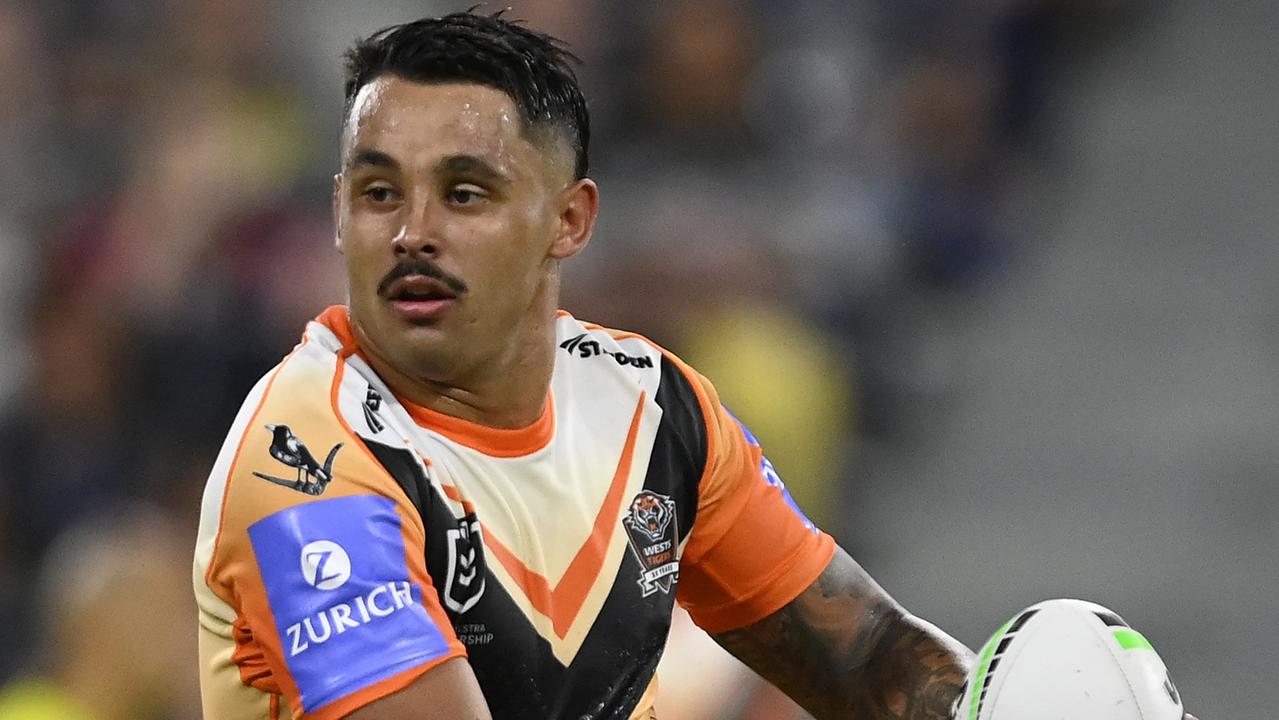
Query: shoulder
[[289, 447], [290, 405], [598, 358], [587, 340], [300, 385], [671, 382]]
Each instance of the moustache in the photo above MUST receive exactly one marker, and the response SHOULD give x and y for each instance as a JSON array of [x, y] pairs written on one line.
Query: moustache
[[425, 268]]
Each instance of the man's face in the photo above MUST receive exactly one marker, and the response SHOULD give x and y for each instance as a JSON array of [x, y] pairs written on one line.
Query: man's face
[[448, 218]]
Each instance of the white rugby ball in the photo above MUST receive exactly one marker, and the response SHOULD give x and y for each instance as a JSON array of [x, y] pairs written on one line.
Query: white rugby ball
[[1068, 660]]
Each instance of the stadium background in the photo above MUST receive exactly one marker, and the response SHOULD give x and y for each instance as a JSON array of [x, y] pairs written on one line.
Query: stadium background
[[995, 283]]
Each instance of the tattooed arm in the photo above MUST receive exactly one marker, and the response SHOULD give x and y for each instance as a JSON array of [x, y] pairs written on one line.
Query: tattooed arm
[[846, 650]]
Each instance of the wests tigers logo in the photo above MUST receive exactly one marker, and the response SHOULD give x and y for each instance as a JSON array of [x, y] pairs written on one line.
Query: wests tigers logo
[[650, 515], [652, 531]]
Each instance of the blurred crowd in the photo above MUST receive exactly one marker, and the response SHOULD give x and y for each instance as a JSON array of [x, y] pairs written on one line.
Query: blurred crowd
[[790, 192]]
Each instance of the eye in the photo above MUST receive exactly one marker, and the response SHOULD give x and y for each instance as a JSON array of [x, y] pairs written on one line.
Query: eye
[[380, 194], [465, 195]]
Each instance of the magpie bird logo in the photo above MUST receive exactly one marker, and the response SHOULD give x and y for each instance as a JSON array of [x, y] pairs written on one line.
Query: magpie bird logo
[[312, 477]]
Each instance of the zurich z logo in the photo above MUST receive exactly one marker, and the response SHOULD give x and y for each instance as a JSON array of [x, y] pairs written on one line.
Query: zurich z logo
[[464, 584], [325, 565]]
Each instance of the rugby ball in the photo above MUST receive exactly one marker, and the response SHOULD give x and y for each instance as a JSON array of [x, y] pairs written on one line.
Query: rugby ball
[[1068, 660]]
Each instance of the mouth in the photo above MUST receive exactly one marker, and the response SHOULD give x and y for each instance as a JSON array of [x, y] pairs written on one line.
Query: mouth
[[418, 298]]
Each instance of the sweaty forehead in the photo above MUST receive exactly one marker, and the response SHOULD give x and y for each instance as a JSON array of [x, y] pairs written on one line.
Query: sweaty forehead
[[420, 122]]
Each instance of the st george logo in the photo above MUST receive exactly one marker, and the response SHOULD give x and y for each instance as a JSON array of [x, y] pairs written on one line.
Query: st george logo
[[325, 565], [464, 584], [312, 478], [581, 347]]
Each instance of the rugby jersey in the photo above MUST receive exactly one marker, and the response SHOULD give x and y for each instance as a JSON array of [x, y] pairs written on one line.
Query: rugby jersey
[[350, 540]]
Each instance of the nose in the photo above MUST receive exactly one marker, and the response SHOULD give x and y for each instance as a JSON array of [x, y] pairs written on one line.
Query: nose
[[416, 235]]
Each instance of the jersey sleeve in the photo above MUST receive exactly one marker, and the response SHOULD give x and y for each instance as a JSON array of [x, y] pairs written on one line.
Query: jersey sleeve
[[751, 550], [322, 558]]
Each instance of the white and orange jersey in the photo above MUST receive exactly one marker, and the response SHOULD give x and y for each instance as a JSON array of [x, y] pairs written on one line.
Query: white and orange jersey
[[350, 541]]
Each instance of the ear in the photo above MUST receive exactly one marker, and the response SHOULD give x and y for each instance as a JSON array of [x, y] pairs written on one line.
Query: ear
[[579, 205], [337, 211]]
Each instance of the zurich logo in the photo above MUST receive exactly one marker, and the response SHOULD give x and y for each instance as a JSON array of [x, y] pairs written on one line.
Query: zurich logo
[[325, 565]]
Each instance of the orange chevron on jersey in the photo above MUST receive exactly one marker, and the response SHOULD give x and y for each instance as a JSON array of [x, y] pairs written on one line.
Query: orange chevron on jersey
[[563, 603], [344, 526]]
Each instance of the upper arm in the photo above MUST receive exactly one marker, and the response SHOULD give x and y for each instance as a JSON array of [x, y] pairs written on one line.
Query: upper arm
[[751, 550], [314, 568], [781, 596], [844, 648], [447, 692], [335, 595]]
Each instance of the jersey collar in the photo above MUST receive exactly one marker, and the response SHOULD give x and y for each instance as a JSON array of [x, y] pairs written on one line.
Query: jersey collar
[[495, 442]]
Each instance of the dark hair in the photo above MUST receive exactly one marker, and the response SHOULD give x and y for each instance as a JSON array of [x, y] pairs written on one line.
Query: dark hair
[[533, 68]]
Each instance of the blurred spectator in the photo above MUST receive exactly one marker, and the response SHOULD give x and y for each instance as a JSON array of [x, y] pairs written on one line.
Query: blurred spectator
[[17, 280], [785, 381], [116, 612], [698, 62], [25, 106], [65, 450]]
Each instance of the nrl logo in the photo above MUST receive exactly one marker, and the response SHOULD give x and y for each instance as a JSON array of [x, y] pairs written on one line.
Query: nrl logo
[[464, 583], [652, 531], [312, 477]]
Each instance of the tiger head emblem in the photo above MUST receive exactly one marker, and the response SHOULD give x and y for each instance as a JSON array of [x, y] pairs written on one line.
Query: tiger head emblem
[[651, 515]]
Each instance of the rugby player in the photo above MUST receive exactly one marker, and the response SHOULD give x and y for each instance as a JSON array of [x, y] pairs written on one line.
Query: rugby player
[[454, 501]]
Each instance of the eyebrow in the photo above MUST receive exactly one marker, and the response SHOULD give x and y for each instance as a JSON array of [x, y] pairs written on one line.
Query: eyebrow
[[472, 165], [374, 158], [454, 164]]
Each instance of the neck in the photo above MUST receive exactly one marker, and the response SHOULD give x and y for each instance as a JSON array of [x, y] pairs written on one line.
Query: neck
[[507, 390]]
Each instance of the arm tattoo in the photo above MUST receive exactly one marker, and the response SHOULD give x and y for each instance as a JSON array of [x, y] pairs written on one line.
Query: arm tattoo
[[845, 650]]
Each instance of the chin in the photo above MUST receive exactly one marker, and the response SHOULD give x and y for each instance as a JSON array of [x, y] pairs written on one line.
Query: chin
[[421, 349]]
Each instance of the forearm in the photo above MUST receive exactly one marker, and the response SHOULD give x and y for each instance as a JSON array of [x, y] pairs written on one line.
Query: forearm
[[844, 650], [915, 673], [908, 670]]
